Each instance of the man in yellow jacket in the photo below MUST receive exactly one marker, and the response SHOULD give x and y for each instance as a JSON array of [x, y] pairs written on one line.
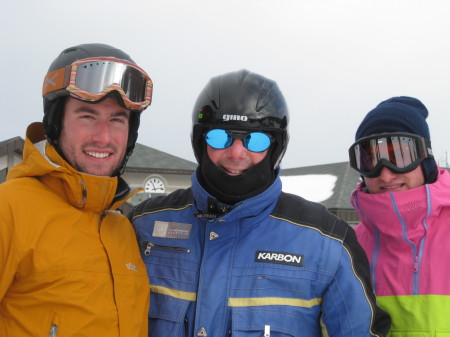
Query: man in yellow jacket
[[69, 261]]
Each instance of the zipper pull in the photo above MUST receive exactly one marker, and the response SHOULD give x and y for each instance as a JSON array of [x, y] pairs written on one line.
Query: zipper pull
[[148, 248], [416, 265], [53, 330], [266, 331]]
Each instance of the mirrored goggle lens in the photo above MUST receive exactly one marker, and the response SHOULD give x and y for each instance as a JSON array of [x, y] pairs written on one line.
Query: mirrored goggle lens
[[402, 152], [96, 76], [253, 141]]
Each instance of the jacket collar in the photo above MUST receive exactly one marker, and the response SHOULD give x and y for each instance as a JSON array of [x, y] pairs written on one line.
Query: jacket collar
[[81, 190], [415, 209], [259, 205]]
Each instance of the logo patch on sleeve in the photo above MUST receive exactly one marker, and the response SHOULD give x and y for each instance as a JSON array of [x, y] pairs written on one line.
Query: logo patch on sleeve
[[281, 258], [172, 230]]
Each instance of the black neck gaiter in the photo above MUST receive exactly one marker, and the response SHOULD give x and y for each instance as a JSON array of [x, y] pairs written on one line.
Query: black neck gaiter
[[232, 189]]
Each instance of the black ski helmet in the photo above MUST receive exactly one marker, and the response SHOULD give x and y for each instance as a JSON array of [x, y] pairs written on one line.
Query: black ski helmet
[[241, 100], [54, 101]]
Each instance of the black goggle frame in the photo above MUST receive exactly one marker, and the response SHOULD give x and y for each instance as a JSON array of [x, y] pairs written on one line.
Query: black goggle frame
[[401, 152]]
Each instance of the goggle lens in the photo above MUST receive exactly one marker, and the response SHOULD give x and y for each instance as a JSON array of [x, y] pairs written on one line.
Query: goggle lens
[[399, 152], [96, 76], [252, 141]]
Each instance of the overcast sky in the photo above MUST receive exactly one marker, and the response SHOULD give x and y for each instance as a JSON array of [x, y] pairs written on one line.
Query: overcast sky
[[333, 60]]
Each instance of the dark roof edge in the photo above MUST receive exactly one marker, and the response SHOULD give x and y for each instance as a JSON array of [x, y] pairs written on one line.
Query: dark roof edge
[[153, 170]]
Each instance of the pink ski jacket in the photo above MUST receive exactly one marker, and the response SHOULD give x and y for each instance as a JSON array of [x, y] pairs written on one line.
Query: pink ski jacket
[[406, 236]]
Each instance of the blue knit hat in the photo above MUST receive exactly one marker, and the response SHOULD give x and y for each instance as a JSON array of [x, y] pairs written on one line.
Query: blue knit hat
[[397, 114], [400, 114]]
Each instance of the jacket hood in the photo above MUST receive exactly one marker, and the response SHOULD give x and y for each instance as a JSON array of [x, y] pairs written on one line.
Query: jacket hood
[[82, 190]]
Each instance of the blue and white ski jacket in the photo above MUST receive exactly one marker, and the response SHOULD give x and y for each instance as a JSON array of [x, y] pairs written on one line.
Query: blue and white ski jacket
[[275, 265]]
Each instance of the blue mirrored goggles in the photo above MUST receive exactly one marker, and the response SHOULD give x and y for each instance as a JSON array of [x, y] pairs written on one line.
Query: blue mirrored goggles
[[252, 141]]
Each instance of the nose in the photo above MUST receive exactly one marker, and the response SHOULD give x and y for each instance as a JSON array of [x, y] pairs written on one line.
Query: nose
[[237, 150], [386, 174], [101, 133]]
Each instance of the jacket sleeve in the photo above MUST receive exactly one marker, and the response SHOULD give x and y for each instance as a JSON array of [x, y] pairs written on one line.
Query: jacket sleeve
[[8, 253], [352, 290]]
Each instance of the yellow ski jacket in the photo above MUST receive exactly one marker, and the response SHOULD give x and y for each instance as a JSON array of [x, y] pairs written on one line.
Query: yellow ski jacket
[[69, 261]]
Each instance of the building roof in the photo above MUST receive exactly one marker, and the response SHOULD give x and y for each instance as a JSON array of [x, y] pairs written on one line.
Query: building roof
[[147, 159], [15, 144], [347, 179]]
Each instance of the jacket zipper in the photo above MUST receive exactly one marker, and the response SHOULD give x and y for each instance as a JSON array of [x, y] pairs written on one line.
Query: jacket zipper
[[376, 252], [148, 247], [416, 255], [416, 276], [418, 258]]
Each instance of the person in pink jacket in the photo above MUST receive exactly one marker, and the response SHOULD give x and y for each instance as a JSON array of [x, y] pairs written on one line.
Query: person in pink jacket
[[403, 201]]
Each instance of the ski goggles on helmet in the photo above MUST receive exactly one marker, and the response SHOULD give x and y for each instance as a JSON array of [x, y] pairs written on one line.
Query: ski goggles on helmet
[[252, 141], [92, 79], [398, 151]]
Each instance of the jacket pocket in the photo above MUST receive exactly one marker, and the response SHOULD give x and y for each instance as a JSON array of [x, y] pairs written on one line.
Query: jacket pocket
[[167, 316], [148, 246], [252, 322], [173, 275]]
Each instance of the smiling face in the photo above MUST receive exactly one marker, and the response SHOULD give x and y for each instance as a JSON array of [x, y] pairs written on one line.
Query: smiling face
[[235, 159], [388, 181], [94, 136]]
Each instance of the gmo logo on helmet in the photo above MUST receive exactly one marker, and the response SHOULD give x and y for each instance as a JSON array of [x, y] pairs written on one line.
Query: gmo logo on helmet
[[234, 118]]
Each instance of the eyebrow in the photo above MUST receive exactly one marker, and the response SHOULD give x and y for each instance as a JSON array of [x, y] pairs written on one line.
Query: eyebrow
[[95, 112]]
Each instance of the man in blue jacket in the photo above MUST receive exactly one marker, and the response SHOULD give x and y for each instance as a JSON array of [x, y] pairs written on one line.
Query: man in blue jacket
[[235, 256]]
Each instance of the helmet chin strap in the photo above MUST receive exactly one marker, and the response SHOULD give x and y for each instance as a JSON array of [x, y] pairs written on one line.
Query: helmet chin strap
[[232, 189]]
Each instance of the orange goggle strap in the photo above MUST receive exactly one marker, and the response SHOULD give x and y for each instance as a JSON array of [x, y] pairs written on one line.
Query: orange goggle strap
[[65, 78], [55, 80]]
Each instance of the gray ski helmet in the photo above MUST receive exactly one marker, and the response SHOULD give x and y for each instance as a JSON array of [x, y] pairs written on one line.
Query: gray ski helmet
[[241, 100], [54, 100]]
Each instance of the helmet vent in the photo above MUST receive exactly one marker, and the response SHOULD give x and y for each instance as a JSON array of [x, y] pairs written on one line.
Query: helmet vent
[[265, 96], [243, 74], [70, 50]]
